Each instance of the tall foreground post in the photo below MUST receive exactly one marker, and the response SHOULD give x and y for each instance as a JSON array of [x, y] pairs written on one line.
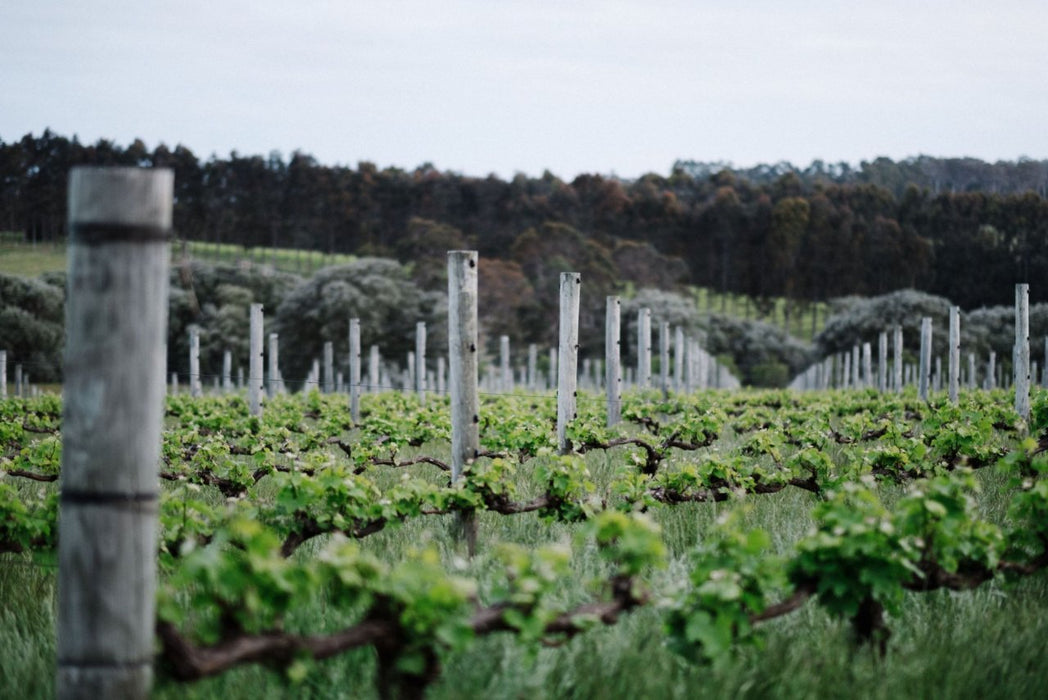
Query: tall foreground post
[[1022, 351], [462, 359], [116, 332], [613, 358], [567, 369]]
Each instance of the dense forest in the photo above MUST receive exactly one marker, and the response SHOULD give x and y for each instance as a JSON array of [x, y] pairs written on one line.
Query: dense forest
[[959, 228]]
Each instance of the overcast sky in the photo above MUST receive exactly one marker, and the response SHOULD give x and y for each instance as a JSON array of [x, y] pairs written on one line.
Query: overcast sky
[[506, 86]]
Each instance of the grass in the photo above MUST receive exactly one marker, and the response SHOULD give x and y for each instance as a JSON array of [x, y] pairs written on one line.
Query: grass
[[986, 643]]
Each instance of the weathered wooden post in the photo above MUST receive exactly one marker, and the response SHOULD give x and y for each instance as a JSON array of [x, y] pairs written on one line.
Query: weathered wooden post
[[664, 358], [116, 331], [462, 371], [552, 378], [354, 369], [505, 371], [3, 374], [971, 370], [897, 362], [196, 389], [441, 376], [678, 358], [420, 361], [613, 357], [644, 348], [954, 364], [567, 370], [273, 378], [1021, 365], [227, 371], [925, 371], [533, 363], [867, 366], [374, 370], [329, 367], [462, 359], [254, 361], [991, 371], [882, 362]]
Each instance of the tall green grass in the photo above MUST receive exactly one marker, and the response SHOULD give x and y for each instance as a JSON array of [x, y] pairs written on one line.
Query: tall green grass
[[987, 643]]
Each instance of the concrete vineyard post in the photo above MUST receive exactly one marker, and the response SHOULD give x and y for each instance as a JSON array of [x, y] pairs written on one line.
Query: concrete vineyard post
[[354, 369], [925, 371], [954, 364], [567, 369], [613, 357], [1021, 365], [116, 332], [462, 359], [254, 362]]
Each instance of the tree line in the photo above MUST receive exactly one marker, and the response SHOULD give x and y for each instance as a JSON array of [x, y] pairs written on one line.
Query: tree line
[[958, 228]]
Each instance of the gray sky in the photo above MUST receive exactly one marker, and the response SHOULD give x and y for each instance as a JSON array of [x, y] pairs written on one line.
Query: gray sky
[[482, 86]]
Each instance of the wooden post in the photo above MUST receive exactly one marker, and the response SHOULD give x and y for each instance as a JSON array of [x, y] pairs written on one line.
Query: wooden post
[[552, 379], [882, 362], [846, 372], [954, 363], [971, 371], [1021, 365], [613, 358], [664, 358], [227, 371], [567, 371], [116, 332], [254, 362], [1044, 371], [441, 376], [420, 361], [195, 387], [462, 359], [3, 374], [925, 371], [897, 362], [505, 372], [644, 348], [856, 379], [867, 366], [533, 363], [374, 370], [354, 369], [329, 367], [678, 358], [273, 381], [991, 371]]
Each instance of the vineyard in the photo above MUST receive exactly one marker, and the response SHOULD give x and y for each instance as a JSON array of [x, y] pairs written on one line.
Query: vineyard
[[751, 543]]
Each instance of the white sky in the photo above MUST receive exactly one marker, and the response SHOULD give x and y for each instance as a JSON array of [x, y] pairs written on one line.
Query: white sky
[[506, 86]]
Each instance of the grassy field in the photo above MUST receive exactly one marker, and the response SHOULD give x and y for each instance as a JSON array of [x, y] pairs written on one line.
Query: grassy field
[[986, 643]]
